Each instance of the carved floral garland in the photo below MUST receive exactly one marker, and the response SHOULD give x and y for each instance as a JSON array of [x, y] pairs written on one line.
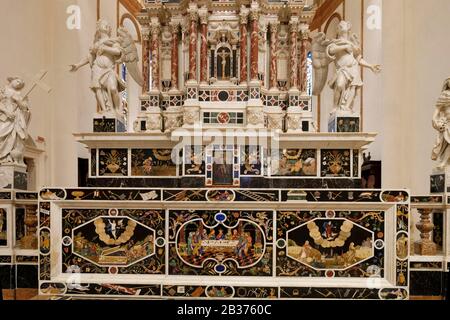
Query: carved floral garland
[[100, 228], [344, 234]]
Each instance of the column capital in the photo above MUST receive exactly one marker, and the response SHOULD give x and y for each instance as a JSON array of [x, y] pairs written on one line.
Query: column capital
[[184, 26], [243, 15], [203, 14], [174, 26], [145, 32], [155, 26], [273, 26], [303, 28], [193, 12], [254, 11], [293, 23], [263, 26]]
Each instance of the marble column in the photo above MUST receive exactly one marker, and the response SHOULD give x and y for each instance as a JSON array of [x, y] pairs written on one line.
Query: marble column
[[293, 24], [243, 45], [273, 55], [254, 45], [203, 13], [173, 115], [303, 66], [175, 27], [155, 30], [145, 60], [193, 18]]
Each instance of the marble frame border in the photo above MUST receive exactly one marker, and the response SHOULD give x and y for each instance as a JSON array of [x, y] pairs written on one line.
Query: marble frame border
[[390, 282]]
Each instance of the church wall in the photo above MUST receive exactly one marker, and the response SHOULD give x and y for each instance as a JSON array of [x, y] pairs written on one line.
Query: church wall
[[70, 107], [429, 47], [25, 52], [372, 115], [415, 58], [76, 112], [394, 94]]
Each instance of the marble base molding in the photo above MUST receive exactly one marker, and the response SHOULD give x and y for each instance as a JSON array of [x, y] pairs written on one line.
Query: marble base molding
[[148, 121], [173, 118], [343, 122], [13, 176], [109, 124], [275, 118]]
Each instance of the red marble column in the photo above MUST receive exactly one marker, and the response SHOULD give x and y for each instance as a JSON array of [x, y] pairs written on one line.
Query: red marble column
[[303, 66], [204, 49], [155, 29], [174, 58], [145, 60], [254, 45], [293, 54], [273, 55], [243, 47], [193, 45]]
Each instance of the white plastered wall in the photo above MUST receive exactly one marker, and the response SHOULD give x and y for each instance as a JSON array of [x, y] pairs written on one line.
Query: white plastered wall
[[35, 38]]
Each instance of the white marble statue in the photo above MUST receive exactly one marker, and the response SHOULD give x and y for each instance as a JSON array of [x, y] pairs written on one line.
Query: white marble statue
[[104, 55], [15, 117], [441, 118], [345, 52]]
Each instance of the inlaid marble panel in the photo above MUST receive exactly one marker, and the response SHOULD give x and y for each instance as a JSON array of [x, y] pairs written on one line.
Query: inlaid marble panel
[[153, 162], [3, 228], [114, 241], [113, 162], [93, 162], [335, 163], [251, 161], [194, 160], [227, 243], [330, 244], [294, 162]]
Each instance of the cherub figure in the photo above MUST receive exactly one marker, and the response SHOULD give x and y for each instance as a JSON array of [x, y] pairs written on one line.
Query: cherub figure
[[345, 52]]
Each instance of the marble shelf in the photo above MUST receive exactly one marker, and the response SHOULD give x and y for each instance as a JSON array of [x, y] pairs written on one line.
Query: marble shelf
[[436, 258], [285, 140]]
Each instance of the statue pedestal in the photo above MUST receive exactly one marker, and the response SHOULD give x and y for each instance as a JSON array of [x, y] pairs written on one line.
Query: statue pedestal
[[173, 118], [440, 180], [191, 110], [255, 106], [148, 121], [299, 120], [13, 176], [341, 121], [275, 117], [109, 123], [425, 248]]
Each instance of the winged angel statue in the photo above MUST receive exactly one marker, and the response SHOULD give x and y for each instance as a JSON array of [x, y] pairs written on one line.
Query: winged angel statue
[[104, 55], [345, 52]]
